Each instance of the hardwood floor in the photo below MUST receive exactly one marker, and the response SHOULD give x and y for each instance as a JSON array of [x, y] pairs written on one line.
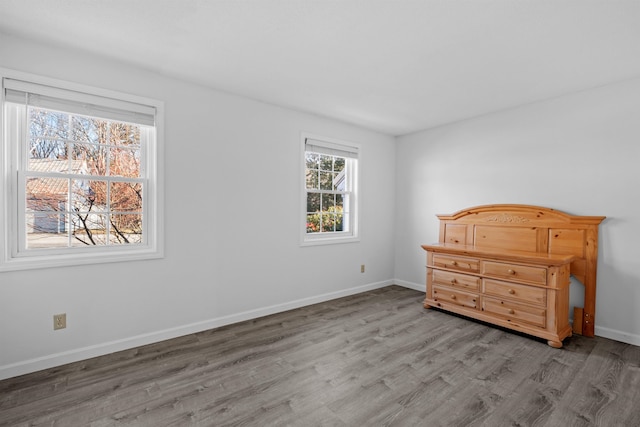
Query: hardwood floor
[[372, 359]]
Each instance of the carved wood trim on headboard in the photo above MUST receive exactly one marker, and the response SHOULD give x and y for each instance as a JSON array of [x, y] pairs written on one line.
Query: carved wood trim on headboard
[[533, 229]]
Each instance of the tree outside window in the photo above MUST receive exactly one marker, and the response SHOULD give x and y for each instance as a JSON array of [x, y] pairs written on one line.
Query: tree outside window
[[325, 181], [83, 183]]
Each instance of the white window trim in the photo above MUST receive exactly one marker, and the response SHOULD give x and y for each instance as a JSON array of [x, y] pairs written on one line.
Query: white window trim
[[153, 247], [307, 239]]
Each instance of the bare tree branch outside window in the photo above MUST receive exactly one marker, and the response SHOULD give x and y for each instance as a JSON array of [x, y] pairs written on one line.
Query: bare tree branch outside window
[[83, 181]]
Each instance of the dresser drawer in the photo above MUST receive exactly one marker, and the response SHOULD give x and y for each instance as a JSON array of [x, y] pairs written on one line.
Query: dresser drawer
[[513, 310], [513, 291], [515, 272], [455, 296], [454, 262], [456, 280]]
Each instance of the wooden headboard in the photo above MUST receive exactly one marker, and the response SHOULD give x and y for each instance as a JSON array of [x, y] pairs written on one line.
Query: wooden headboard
[[533, 229]]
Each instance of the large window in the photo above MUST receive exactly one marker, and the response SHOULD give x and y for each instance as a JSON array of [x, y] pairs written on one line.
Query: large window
[[330, 191], [81, 174]]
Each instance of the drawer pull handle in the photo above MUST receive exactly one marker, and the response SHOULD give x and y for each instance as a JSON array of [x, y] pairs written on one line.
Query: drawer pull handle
[[510, 271], [454, 263], [453, 281], [511, 311], [511, 291], [453, 297]]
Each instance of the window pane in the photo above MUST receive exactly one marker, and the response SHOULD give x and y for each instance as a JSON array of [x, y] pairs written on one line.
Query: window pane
[[91, 159], [326, 180], [126, 229], [45, 204], [88, 229], [88, 129], [335, 181], [328, 202], [124, 134], [338, 165], [88, 195], [313, 202], [124, 162], [328, 222], [46, 123], [45, 221], [46, 230], [339, 201], [312, 179], [326, 163], [46, 194], [312, 160], [44, 148], [126, 196], [313, 223], [42, 230], [339, 221]]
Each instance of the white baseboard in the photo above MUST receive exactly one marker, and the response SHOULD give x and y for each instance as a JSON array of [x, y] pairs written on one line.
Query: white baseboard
[[415, 286], [616, 335], [75, 355]]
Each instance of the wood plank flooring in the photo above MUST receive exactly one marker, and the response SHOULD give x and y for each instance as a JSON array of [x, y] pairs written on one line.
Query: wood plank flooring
[[372, 359]]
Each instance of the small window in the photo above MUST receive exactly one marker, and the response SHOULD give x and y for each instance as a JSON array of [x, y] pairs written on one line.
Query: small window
[[330, 191], [83, 176]]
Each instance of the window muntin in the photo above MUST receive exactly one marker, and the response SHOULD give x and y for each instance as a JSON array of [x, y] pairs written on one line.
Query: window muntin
[[330, 191], [83, 176]]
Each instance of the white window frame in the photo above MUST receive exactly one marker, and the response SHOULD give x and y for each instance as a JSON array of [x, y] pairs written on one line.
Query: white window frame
[[12, 253], [353, 234]]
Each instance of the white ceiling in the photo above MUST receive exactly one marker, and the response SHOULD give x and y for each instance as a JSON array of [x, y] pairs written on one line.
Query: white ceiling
[[389, 65]]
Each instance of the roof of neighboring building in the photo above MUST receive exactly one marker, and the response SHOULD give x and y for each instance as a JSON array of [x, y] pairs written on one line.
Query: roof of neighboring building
[[46, 187]]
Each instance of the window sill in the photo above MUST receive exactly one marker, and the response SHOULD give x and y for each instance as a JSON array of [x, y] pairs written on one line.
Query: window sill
[[68, 260], [329, 240]]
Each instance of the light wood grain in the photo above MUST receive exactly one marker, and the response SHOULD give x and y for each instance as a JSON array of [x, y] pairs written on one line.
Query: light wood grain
[[531, 295], [376, 358], [532, 229]]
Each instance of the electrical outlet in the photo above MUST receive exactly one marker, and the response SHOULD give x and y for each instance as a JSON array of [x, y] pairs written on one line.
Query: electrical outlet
[[59, 321], [362, 268]]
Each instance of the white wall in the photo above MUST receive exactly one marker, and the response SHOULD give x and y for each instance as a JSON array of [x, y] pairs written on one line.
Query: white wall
[[578, 153], [233, 178], [226, 155]]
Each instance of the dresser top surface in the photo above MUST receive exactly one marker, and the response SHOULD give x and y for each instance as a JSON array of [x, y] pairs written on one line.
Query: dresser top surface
[[500, 254]]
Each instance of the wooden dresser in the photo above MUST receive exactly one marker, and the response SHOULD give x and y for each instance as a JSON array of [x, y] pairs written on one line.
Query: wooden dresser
[[510, 265]]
